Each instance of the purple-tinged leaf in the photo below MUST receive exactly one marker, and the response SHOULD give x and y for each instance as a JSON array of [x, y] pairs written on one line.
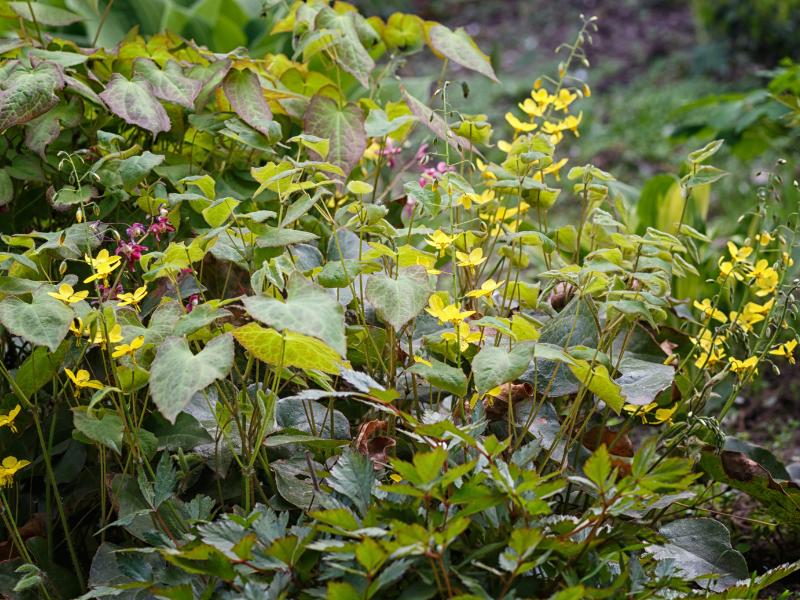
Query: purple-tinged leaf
[[135, 103], [170, 84], [243, 91], [28, 93], [342, 126]]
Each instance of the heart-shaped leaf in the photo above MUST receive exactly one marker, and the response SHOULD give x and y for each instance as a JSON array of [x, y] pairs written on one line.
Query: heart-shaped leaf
[[135, 103], [342, 126], [399, 300], [43, 322], [176, 373], [493, 366], [309, 309], [243, 91]]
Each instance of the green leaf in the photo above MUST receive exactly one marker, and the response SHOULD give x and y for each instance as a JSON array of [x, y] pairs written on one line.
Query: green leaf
[[216, 214], [43, 322], [342, 126], [170, 84], [701, 548], [44, 129], [442, 375], [290, 349], [399, 300], [459, 47], [598, 381], [132, 170], [52, 16], [346, 48], [243, 91], [493, 366], [176, 373], [598, 467], [379, 125], [341, 590], [39, 368], [641, 381], [705, 152], [309, 310], [311, 418], [28, 93], [106, 430], [276, 237], [135, 103], [353, 476], [6, 188]]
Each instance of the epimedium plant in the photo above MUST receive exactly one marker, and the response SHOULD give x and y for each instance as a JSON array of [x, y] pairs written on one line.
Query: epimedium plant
[[279, 327]]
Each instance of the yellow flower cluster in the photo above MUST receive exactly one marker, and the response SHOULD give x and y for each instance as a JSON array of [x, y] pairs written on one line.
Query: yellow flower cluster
[[10, 464], [762, 279], [540, 106]]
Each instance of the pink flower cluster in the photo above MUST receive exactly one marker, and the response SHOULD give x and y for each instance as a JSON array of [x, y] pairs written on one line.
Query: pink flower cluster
[[131, 249]]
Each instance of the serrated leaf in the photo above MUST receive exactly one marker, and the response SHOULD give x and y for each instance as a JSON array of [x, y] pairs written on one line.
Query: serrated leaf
[[43, 322], [641, 381], [135, 103], [342, 126], [399, 300], [243, 91], [309, 310], [459, 47], [170, 84], [177, 374], [28, 93]]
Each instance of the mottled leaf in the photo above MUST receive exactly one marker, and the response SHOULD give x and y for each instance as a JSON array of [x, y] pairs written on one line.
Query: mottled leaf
[[135, 103]]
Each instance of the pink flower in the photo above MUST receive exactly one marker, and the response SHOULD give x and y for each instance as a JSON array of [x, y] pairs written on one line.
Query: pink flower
[[390, 151], [110, 292], [131, 251], [194, 300], [160, 226], [136, 230]]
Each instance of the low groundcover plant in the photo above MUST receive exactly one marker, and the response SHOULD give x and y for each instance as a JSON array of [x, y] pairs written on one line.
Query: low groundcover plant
[[282, 327]]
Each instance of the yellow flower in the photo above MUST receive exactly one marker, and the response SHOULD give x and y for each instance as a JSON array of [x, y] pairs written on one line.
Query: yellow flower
[[487, 288], [67, 295], [709, 358], [706, 339], [133, 299], [564, 99], [502, 213], [483, 168], [650, 417], [440, 240], [727, 268], [743, 368], [787, 260], [786, 349], [739, 254], [124, 349], [463, 335], [751, 314], [541, 96], [473, 259], [710, 311], [446, 314], [8, 469], [466, 200], [102, 265], [114, 335], [765, 278], [371, 153], [764, 238], [519, 125], [395, 477], [553, 168], [81, 379], [8, 420]]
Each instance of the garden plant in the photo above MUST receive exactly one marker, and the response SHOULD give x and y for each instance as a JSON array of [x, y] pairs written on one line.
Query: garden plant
[[282, 324]]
